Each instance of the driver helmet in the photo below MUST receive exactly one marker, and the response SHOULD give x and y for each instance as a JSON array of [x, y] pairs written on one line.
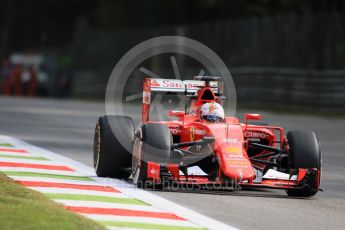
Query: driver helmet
[[212, 112]]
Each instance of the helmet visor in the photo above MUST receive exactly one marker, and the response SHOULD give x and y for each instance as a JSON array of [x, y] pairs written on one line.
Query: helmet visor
[[211, 118]]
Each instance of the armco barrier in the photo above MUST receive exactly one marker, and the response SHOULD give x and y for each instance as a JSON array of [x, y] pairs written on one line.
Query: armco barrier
[[286, 89], [274, 88]]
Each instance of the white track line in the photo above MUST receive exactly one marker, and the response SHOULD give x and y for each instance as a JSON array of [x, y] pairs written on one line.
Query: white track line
[[145, 220], [30, 161], [79, 192], [33, 170], [53, 180], [122, 228], [6, 147], [98, 204], [19, 154]]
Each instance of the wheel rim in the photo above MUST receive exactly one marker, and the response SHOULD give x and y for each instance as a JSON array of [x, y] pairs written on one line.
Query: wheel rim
[[136, 162], [97, 146]]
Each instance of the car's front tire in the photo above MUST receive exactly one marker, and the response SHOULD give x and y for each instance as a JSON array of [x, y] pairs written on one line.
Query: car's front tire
[[305, 153], [111, 152], [153, 144]]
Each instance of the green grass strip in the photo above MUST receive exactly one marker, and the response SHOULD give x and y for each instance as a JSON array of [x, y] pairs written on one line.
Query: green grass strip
[[35, 174], [22, 208], [145, 225], [95, 198], [5, 145], [24, 157]]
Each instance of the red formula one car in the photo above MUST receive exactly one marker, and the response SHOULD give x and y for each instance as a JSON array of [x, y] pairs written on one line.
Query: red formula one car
[[224, 152]]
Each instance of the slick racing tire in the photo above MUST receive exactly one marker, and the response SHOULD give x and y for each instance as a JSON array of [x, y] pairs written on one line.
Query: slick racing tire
[[156, 146], [111, 157], [305, 153]]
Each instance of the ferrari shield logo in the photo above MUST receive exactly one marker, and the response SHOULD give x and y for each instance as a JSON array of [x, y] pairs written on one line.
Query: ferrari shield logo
[[191, 133]]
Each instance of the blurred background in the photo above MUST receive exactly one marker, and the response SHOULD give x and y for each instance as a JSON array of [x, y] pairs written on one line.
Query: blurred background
[[283, 54]]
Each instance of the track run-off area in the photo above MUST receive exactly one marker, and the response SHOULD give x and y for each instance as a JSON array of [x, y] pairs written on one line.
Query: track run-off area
[[66, 128]]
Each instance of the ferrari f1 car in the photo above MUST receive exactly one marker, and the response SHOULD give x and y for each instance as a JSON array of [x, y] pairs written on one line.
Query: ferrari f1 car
[[226, 151]]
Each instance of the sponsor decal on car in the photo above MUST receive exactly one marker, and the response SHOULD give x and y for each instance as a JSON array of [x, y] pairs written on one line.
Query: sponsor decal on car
[[193, 85], [237, 166], [165, 84], [232, 149], [154, 83], [146, 97], [172, 84], [255, 134], [230, 140], [234, 156], [199, 132], [232, 163], [175, 131]]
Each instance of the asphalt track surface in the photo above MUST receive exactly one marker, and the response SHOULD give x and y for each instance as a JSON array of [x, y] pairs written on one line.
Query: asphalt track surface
[[66, 127]]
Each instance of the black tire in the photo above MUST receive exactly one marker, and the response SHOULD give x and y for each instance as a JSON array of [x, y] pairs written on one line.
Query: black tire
[[304, 149], [156, 147], [112, 152], [305, 153]]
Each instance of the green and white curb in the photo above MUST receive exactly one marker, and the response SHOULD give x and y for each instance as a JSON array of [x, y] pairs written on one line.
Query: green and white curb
[[113, 203]]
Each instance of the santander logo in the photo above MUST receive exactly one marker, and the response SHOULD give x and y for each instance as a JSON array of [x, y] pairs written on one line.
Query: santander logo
[[154, 83]]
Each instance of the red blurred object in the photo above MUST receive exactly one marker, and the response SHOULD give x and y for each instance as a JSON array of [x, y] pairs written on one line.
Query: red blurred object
[[13, 85], [252, 116], [32, 82]]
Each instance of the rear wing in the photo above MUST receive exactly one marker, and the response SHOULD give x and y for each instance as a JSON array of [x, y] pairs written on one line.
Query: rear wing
[[178, 86], [188, 87]]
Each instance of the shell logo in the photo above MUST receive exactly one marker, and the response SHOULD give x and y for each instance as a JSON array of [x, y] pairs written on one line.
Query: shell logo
[[233, 150]]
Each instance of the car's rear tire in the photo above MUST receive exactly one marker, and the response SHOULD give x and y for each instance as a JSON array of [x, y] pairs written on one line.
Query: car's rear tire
[[305, 153], [156, 147], [112, 154]]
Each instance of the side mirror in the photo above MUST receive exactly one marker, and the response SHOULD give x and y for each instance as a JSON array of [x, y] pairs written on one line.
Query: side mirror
[[252, 116], [174, 113]]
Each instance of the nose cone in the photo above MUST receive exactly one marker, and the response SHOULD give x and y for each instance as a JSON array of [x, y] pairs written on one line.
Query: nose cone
[[235, 163], [239, 170], [232, 157]]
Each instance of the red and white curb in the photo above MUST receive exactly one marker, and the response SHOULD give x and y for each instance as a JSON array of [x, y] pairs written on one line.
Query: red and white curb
[[113, 203]]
